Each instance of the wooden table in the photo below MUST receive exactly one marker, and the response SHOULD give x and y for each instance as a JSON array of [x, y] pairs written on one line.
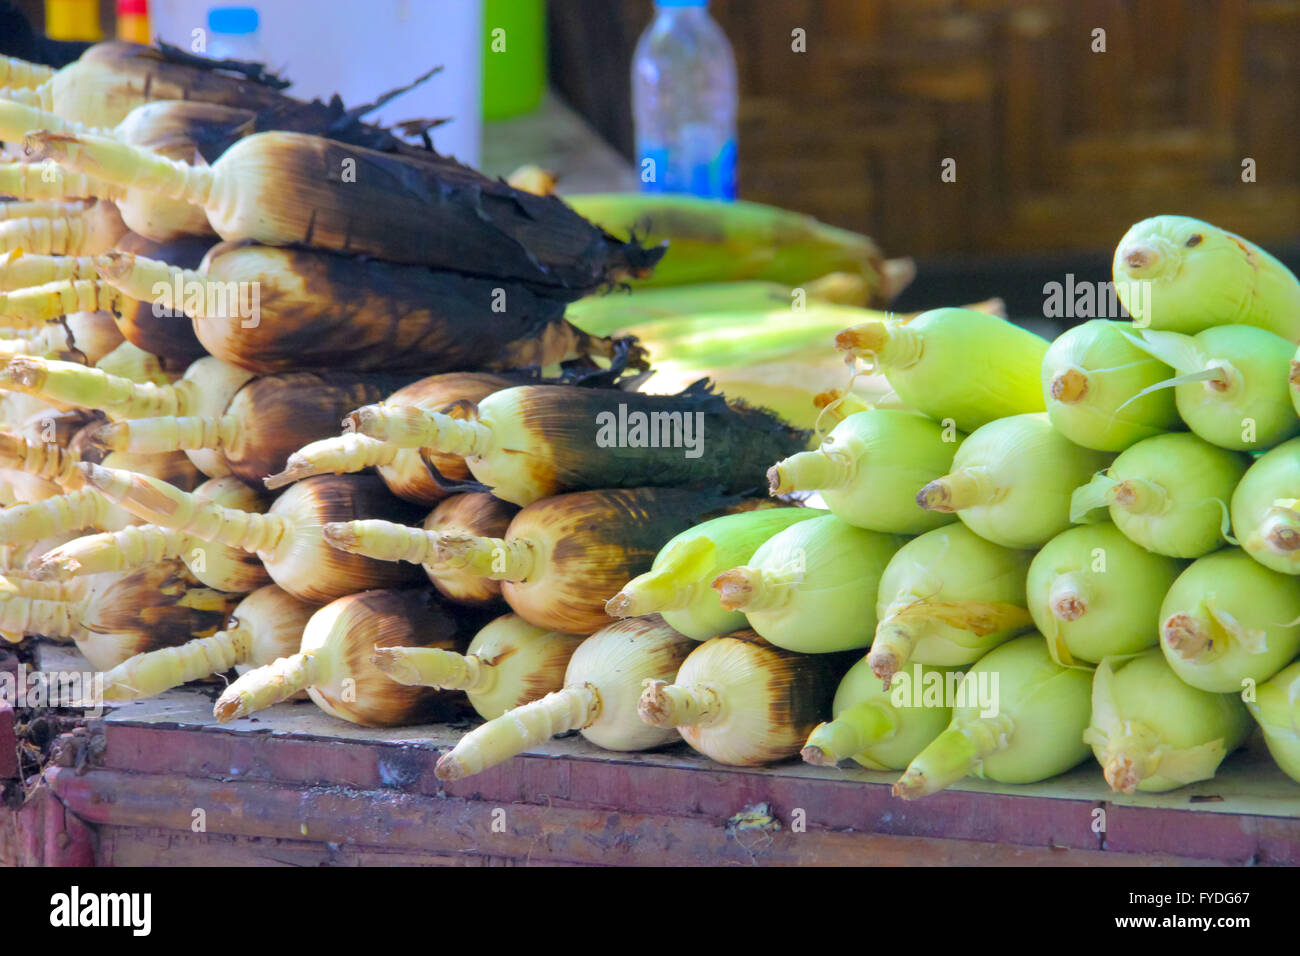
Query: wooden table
[[157, 782]]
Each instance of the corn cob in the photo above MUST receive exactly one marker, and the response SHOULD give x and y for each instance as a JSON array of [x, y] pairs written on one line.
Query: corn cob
[[408, 472], [869, 467], [1264, 509], [1277, 711], [879, 728], [602, 686], [272, 309], [333, 663], [562, 558], [217, 566], [267, 419], [957, 364], [283, 188], [1012, 481], [1184, 275], [264, 627], [812, 587], [1018, 718], [508, 664], [156, 606], [288, 538], [473, 513], [717, 241], [741, 701], [678, 583], [1151, 732], [533, 441], [947, 597], [1228, 622]]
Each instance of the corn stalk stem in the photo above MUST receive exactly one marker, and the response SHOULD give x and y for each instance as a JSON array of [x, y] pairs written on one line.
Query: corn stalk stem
[[406, 426], [132, 547], [756, 589], [341, 455], [500, 559], [25, 524], [1139, 496], [657, 590], [570, 708], [152, 436], [964, 488], [94, 388], [49, 181], [266, 686], [1069, 596], [42, 303], [435, 667], [810, 471], [954, 754], [678, 705], [24, 615], [892, 647], [19, 74], [853, 731], [384, 540], [123, 164], [50, 462], [151, 673]]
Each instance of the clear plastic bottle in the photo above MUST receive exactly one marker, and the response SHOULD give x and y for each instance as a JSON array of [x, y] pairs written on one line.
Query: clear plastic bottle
[[232, 34], [684, 102]]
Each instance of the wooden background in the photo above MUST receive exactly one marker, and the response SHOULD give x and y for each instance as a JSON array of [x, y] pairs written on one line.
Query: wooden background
[[1058, 148]]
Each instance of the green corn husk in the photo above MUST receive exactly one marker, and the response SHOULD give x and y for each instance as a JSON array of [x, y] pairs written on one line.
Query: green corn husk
[[1012, 479], [1228, 621], [1169, 494], [1028, 727], [1093, 593], [1231, 384], [958, 364], [878, 728], [1265, 513], [1184, 275], [1151, 732], [1276, 708], [811, 588], [654, 309], [869, 467], [1089, 372], [677, 586], [713, 240], [947, 597]]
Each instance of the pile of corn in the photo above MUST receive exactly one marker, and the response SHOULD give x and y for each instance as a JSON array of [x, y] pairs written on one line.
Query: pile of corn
[[201, 280]]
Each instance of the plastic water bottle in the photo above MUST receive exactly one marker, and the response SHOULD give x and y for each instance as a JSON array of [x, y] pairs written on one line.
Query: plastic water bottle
[[233, 34], [684, 103]]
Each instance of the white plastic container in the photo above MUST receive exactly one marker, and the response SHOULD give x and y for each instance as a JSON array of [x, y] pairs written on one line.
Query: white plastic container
[[360, 50]]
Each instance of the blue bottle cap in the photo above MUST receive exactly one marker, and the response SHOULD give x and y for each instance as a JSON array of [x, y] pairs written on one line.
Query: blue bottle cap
[[682, 3], [232, 20]]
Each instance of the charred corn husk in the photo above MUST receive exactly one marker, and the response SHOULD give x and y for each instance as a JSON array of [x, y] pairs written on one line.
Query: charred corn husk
[[679, 582], [288, 538], [562, 558], [742, 701], [266, 420], [1228, 622], [716, 241], [1152, 732], [87, 232], [1012, 480], [1018, 717], [272, 309], [1184, 275], [954, 364], [1169, 494], [602, 686], [812, 587], [1094, 593], [473, 513], [1265, 517], [883, 729], [508, 664], [947, 597], [333, 665], [269, 188], [406, 471], [869, 467], [265, 626], [532, 441], [156, 606], [218, 566]]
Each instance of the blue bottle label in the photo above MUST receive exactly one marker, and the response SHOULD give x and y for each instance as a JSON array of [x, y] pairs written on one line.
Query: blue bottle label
[[663, 170]]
